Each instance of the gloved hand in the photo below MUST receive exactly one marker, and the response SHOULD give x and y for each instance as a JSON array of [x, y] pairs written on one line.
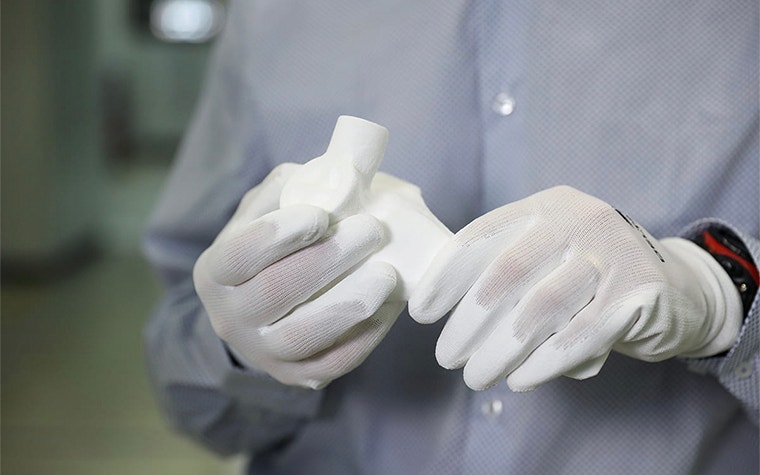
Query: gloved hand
[[549, 285], [277, 289]]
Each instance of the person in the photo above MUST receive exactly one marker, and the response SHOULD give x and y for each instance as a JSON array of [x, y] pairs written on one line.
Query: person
[[598, 167]]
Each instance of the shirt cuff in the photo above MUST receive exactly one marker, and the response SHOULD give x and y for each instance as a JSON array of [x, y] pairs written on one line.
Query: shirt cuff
[[738, 370], [252, 387]]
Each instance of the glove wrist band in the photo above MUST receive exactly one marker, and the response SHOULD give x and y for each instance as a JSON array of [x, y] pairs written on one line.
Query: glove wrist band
[[729, 251]]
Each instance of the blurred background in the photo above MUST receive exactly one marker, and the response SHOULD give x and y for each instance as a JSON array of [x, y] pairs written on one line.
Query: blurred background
[[95, 97]]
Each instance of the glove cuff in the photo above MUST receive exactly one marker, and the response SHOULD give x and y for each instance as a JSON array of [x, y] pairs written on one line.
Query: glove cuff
[[725, 312]]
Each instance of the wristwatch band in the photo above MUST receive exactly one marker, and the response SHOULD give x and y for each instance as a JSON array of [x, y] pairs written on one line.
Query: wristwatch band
[[734, 257]]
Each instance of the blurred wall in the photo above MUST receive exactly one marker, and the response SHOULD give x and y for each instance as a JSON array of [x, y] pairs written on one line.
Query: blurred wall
[[50, 145], [161, 80], [86, 92]]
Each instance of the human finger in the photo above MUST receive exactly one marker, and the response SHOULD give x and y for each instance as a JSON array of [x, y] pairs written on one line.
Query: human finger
[[460, 262], [545, 310], [493, 296], [345, 355], [240, 254], [578, 349], [319, 323], [278, 288]]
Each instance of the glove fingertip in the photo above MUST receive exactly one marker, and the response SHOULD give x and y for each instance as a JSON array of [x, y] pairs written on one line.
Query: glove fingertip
[[319, 220], [476, 380], [517, 388], [385, 273], [315, 384], [447, 358], [439, 289], [366, 228], [420, 312], [428, 304], [588, 369], [519, 381], [527, 377]]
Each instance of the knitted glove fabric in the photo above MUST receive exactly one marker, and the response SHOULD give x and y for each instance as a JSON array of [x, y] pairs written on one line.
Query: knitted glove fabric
[[549, 285], [274, 289]]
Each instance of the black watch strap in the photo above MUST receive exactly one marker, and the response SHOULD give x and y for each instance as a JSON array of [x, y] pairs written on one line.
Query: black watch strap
[[734, 257]]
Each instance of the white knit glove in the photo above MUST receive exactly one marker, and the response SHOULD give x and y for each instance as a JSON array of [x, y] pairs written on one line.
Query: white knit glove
[[549, 285], [277, 288]]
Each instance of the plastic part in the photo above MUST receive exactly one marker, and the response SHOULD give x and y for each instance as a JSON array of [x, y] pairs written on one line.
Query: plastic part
[[344, 181]]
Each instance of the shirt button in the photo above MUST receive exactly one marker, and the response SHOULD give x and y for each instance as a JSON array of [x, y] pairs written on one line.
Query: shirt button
[[503, 104], [744, 370], [492, 408]]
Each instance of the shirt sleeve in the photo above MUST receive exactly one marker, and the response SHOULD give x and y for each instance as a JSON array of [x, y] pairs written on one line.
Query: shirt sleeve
[[738, 370], [199, 389]]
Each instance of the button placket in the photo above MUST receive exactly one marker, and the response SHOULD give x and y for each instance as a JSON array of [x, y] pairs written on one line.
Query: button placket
[[501, 75]]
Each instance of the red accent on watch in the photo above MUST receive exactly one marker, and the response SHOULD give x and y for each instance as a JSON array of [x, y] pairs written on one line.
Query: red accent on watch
[[716, 247]]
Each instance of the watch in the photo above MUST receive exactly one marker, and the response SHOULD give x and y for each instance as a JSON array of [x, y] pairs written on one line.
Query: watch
[[735, 259]]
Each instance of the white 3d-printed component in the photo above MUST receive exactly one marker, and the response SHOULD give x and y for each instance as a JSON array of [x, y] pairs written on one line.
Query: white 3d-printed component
[[344, 181]]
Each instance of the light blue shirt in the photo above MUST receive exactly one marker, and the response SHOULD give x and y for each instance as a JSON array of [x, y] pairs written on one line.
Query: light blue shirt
[[649, 105]]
